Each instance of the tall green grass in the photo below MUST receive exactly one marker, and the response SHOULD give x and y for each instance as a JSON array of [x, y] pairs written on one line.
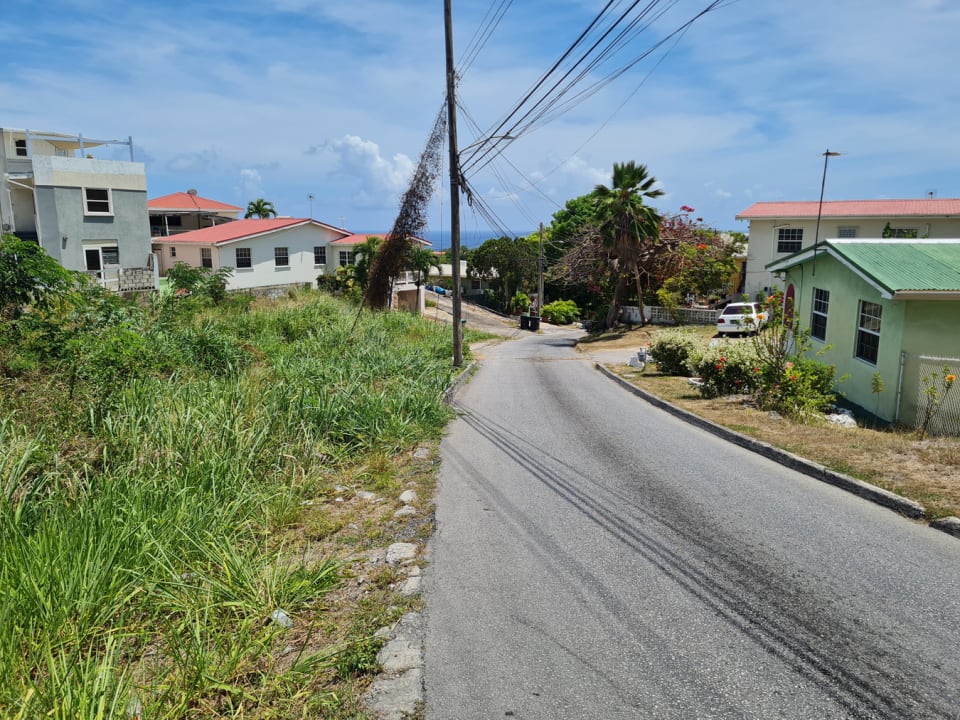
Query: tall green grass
[[139, 576]]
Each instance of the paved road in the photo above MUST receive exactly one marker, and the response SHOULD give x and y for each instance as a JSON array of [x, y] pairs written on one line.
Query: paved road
[[598, 558]]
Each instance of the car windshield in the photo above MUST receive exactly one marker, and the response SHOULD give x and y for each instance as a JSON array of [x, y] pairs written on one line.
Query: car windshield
[[736, 310]]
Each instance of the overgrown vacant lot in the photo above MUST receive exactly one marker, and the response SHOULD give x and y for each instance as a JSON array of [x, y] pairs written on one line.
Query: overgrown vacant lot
[[927, 471], [181, 534]]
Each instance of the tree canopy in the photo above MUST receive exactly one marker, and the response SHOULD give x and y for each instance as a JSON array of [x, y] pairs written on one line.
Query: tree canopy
[[260, 208]]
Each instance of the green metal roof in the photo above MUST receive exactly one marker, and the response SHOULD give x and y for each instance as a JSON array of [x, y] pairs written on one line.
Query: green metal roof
[[901, 265]]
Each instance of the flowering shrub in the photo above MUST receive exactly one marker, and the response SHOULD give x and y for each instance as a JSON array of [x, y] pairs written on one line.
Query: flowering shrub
[[728, 368], [935, 391], [671, 351], [804, 387]]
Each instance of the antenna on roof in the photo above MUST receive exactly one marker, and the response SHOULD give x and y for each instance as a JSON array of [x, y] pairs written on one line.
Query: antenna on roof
[[192, 191], [931, 193]]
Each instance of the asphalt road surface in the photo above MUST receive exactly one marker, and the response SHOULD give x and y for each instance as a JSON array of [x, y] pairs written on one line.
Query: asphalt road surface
[[598, 558]]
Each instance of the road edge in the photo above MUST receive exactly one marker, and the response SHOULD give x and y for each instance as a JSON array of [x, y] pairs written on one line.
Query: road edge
[[903, 506]]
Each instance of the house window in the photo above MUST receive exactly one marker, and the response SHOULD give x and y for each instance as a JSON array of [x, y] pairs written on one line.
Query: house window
[[96, 201], [280, 257], [206, 257], [868, 332], [110, 255], [789, 240], [818, 319], [173, 251], [475, 284], [319, 255], [21, 146], [244, 259], [344, 258], [846, 232]]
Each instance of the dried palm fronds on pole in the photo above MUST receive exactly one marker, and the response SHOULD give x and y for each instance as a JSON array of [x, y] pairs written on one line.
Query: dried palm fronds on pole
[[411, 221]]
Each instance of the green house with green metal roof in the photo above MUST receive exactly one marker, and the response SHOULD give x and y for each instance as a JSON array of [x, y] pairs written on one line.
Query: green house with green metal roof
[[887, 306]]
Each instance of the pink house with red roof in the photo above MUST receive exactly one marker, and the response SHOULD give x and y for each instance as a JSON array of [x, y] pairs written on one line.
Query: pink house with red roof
[[778, 229], [185, 211], [263, 253]]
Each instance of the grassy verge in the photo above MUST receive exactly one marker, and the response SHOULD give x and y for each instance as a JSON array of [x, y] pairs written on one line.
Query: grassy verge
[[927, 471], [192, 541]]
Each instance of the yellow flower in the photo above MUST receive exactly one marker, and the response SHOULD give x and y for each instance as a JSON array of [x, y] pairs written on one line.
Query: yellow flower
[[950, 379]]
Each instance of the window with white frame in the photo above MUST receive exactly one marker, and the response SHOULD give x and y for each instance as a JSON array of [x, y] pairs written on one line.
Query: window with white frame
[[344, 258], [281, 257], [206, 257], [21, 146], [319, 255], [818, 318], [789, 240], [244, 259], [173, 251], [110, 255], [868, 332], [848, 231], [96, 201]]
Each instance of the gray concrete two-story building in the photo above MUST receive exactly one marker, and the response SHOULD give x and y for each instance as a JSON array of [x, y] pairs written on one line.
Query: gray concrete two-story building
[[88, 213]]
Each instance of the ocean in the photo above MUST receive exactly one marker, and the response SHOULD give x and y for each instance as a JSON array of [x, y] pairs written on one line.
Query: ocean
[[469, 238]]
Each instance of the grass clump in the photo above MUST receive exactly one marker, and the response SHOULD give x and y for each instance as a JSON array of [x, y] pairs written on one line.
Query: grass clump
[[155, 461]]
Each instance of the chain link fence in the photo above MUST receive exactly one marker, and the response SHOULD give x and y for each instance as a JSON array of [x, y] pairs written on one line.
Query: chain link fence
[[926, 388]]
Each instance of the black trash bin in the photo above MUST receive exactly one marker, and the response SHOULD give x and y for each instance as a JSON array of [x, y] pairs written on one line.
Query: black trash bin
[[524, 322], [534, 322]]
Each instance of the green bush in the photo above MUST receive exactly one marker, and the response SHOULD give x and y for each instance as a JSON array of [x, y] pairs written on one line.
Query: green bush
[[520, 302], [728, 368], [561, 312], [671, 351], [804, 387]]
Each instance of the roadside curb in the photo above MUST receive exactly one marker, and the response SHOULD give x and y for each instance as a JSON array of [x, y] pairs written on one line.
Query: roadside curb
[[458, 382], [887, 499]]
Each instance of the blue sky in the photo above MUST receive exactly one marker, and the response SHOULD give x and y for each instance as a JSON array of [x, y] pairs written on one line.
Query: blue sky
[[281, 99]]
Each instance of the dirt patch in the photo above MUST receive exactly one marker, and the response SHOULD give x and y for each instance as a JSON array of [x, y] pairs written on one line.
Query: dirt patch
[[927, 471]]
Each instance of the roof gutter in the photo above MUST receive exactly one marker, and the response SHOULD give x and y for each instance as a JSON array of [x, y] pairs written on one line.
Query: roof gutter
[[927, 295]]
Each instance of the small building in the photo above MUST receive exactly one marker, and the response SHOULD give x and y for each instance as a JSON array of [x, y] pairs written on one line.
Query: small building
[[779, 229], [186, 211], [406, 294], [882, 311], [89, 214], [264, 253]]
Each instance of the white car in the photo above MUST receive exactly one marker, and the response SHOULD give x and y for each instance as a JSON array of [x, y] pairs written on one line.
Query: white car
[[741, 317]]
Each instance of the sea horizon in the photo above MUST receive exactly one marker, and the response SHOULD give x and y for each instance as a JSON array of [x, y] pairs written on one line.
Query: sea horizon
[[440, 239]]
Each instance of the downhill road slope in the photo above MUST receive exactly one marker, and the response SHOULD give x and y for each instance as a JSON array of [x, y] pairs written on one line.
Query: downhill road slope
[[598, 558]]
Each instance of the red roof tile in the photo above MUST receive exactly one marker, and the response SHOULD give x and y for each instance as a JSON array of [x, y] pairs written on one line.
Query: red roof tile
[[234, 230], [928, 207], [359, 238], [188, 202]]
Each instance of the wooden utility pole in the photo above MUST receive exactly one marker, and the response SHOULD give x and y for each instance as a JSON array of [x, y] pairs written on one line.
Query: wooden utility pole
[[540, 275], [454, 187]]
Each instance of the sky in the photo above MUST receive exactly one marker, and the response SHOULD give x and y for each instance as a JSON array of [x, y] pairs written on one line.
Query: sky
[[288, 99]]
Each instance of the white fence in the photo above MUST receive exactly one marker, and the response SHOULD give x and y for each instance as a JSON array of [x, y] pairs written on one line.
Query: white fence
[[663, 316], [924, 388]]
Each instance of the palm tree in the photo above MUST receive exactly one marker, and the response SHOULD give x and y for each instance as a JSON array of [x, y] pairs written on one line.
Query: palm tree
[[420, 260], [260, 208], [363, 258], [629, 228]]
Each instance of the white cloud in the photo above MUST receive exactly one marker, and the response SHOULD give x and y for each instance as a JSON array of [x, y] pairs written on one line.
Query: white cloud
[[250, 185]]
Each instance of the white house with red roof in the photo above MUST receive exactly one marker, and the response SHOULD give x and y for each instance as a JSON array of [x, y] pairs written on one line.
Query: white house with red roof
[[778, 229], [185, 211], [263, 253]]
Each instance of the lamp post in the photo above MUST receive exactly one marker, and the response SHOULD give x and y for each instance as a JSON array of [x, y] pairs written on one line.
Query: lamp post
[[823, 183]]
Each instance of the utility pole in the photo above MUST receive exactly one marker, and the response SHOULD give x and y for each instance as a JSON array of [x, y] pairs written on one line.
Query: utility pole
[[540, 275], [454, 187]]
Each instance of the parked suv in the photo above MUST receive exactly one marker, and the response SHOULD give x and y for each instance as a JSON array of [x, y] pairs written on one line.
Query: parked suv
[[741, 317]]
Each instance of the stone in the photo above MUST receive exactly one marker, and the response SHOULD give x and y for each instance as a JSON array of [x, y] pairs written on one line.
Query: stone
[[408, 497], [366, 495], [406, 511], [411, 586], [400, 552], [421, 453], [281, 618], [396, 698], [398, 656]]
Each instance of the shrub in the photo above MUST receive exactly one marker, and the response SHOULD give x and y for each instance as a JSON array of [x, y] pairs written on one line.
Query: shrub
[[803, 388], [520, 302], [561, 312], [728, 368], [671, 351]]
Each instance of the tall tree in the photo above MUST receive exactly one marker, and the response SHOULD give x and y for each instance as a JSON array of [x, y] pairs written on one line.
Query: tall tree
[[628, 227], [260, 208], [364, 253], [420, 260]]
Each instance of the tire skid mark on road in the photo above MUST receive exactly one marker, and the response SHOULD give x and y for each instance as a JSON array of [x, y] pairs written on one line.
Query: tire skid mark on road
[[805, 633]]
